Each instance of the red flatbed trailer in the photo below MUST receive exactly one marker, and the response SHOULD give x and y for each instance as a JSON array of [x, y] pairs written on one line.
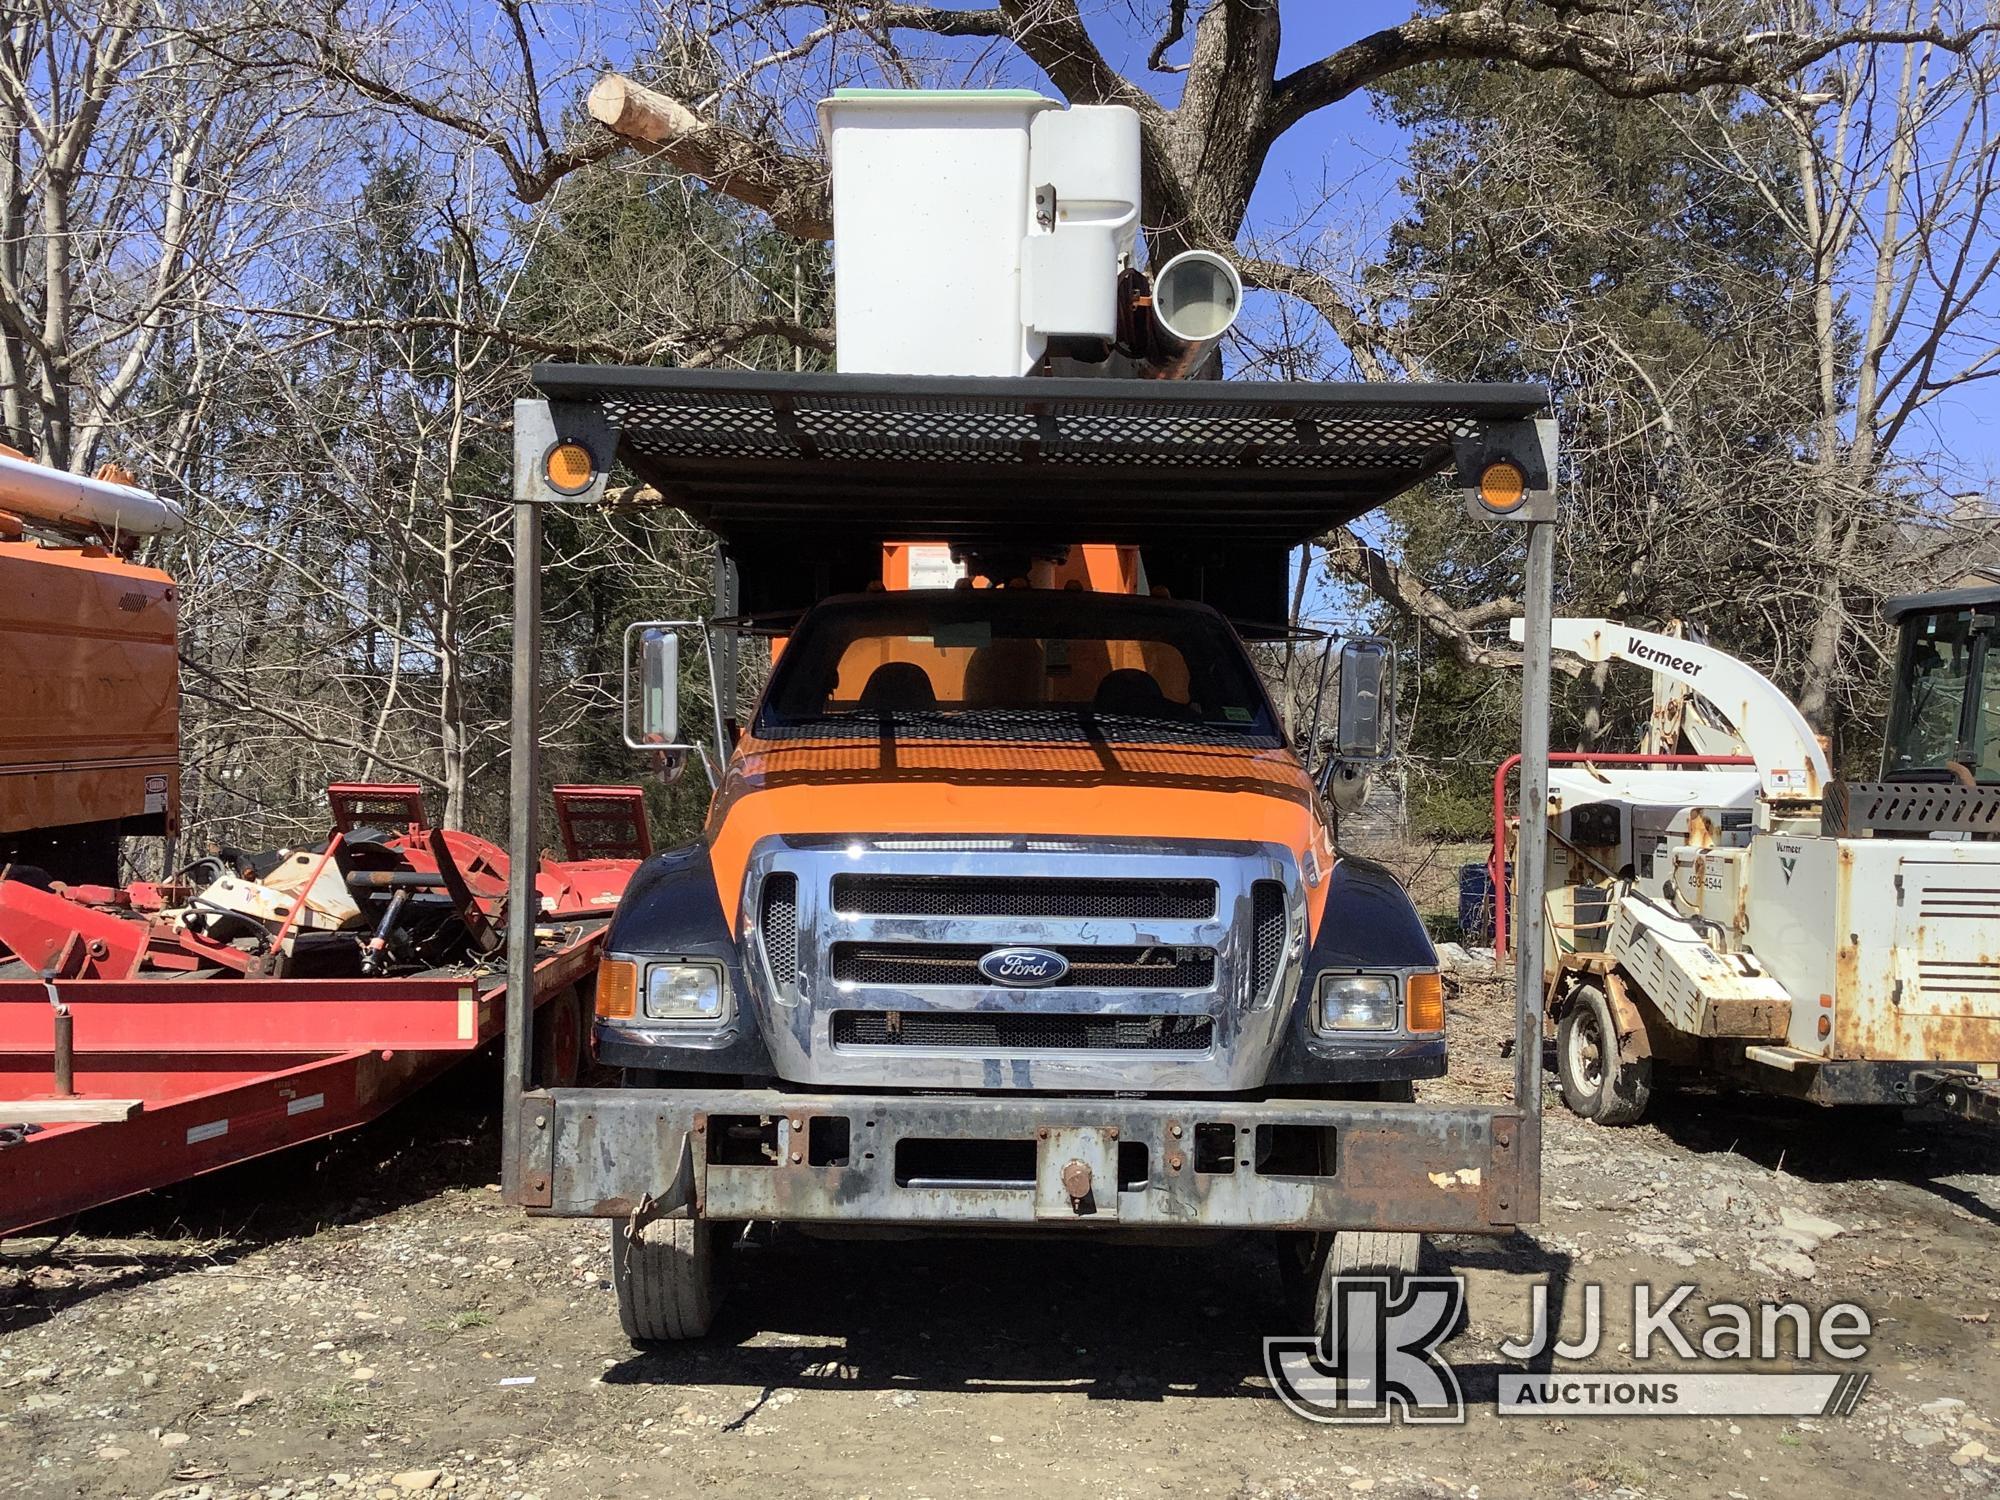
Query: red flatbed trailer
[[175, 1073]]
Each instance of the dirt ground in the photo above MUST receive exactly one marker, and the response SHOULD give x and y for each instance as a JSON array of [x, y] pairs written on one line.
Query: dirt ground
[[368, 1319]]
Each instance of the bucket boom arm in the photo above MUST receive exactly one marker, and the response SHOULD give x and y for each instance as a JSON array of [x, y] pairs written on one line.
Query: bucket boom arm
[[1790, 764]]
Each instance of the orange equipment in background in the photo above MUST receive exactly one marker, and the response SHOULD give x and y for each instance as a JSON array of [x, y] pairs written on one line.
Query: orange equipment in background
[[89, 682]]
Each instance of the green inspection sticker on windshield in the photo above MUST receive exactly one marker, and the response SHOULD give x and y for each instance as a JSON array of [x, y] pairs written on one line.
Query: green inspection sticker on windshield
[[1235, 714]]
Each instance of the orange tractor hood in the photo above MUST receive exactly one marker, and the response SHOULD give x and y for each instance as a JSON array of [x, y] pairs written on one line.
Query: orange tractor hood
[[1072, 790]]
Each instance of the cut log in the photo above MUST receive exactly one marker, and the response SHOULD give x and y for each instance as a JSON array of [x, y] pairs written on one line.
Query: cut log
[[68, 1111], [792, 189]]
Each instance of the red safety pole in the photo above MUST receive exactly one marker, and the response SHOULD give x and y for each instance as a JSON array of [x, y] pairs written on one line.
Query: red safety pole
[[1496, 865]]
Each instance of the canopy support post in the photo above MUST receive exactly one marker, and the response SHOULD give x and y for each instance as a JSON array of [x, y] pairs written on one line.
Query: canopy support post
[[534, 430], [1532, 856]]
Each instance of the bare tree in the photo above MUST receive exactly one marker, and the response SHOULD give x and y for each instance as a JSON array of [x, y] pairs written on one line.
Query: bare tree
[[173, 170], [138, 179], [1893, 199], [1205, 154], [731, 121]]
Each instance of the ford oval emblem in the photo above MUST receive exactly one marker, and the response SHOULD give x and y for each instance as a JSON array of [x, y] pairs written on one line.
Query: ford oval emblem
[[1023, 968]]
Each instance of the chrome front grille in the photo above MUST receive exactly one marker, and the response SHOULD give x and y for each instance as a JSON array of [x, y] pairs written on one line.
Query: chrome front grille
[[923, 964], [1178, 954], [1022, 896], [988, 1032]]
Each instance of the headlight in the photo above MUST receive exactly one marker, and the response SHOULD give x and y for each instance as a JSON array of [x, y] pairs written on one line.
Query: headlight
[[1356, 1002], [685, 992]]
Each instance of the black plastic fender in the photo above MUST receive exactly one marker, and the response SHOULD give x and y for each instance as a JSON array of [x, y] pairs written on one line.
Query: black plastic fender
[[671, 909], [1369, 923]]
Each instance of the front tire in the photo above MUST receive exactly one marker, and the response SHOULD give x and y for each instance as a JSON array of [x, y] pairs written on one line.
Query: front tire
[[1598, 1082], [1310, 1265], [667, 1278]]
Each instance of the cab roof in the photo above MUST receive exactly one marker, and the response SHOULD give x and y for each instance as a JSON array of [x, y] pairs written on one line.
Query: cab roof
[[1979, 596]]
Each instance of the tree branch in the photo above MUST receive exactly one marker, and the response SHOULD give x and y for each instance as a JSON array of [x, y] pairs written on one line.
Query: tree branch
[[1365, 341], [1636, 64], [697, 346], [531, 181], [1156, 60], [792, 189], [1406, 593], [1052, 35], [310, 729]]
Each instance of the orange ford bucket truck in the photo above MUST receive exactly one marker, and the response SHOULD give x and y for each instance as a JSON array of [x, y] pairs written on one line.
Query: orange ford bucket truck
[[1019, 906]]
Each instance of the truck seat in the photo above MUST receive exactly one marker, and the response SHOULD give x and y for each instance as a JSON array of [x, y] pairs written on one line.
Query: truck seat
[[1131, 691], [1006, 674], [898, 685]]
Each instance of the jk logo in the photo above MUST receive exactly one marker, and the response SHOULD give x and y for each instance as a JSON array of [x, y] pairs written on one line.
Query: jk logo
[[1379, 1362]]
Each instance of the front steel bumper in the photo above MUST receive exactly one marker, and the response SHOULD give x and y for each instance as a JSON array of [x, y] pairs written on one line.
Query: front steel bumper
[[762, 1154]]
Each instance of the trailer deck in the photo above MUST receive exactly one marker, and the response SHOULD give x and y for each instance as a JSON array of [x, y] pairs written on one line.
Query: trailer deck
[[130, 1058]]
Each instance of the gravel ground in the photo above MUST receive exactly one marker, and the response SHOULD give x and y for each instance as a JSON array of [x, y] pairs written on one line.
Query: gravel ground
[[368, 1319]]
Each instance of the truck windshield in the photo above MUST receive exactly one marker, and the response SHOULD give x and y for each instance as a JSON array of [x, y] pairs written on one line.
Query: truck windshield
[[1947, 706], [1015, 664]]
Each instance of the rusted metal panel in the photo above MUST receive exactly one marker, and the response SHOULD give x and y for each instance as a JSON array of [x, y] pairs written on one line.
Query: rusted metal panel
[[1799, 1075], [1696, 989], [1917, 971], [1634, 1037], [589, 1146], [1390, 1166], [1749, 1020], [537, 1152]]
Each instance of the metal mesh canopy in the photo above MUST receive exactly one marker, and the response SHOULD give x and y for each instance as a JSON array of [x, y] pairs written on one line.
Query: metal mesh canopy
[[769, 458]]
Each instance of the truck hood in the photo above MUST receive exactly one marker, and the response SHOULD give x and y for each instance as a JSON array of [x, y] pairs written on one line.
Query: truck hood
[[1077, 790]]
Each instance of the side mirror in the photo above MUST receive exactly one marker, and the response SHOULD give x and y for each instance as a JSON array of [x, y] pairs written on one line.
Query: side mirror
[[659, 687], [1365, 720], [656, 685]]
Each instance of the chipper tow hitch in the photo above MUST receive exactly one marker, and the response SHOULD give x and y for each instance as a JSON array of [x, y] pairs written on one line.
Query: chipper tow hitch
[[1966, 1095]]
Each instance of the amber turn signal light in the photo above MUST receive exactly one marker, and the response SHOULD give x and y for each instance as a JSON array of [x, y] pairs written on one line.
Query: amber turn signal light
[[1503, 486], [1423, 1002], [568, 468], [617, 990]]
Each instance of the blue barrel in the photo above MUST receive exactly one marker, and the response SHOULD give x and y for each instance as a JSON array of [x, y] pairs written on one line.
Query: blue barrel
[[1475, 903]]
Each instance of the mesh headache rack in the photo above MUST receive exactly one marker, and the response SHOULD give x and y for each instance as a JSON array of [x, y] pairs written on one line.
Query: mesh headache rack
[[975, 458], [804, 477]]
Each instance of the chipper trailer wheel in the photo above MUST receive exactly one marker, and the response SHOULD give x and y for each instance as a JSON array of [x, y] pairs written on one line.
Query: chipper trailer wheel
[[1310, 1264], [1597, 1082], [667, 1276], [560, 1028]]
